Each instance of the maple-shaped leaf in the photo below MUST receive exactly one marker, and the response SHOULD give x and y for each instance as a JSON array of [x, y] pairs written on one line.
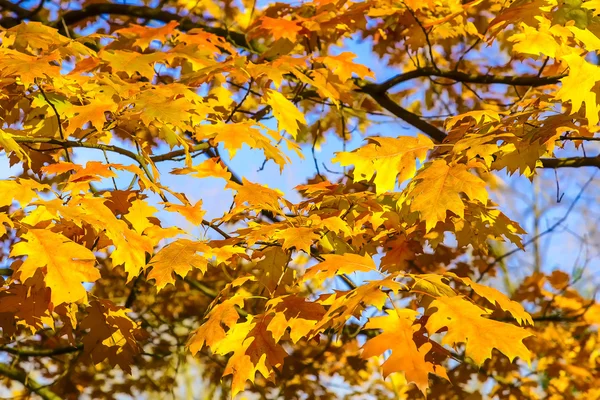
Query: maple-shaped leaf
[[344, 305], [300, 238], [338, 265], [179, 257], [536, 40], [466, 324], [144, 35], [296, 313], [438, 189], [398, 328], [577, 86], [211, 331], [278, 28], [131, 62], [434, 285], [66, 264], [94, 113], [111, 334], [210, 168], [130, 246], [343, 66], [138, 215], [272, 268], [10, 145], [257, 197], [389, 158], [497, 298], [26, 304], [193, 213], [23, 191], [287, 115], [254, 350]]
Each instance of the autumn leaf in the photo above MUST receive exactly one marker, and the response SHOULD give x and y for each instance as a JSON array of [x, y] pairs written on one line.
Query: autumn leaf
[[497, 298], [254, 351], [286, 113], [438, 188], [138, 215], [7, 142], [211, 332], [300, 238], [179, 258], [577, 86], [466, 324], [398, 329], [344, 66], [280, 28], [193, 213], [66, 264], [111, 335], [387, 159], [334, 264]]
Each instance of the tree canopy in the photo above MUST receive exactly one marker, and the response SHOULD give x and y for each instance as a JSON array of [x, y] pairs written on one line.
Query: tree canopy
[[150, 251]]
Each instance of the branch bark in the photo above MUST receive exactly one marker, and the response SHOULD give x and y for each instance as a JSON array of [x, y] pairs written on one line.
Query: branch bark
[[31, 352], [458, 76], [32, 385]]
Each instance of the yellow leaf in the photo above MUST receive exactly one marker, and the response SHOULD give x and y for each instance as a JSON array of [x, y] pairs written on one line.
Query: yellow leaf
[[390, 158], [397, 336], [338, 265], [10, 145], [111, 335], [299, 238], [210, 168], [287, 114], [343, 66], [535, 41], [193, 213], [254, 350], [480, 335], [577, 86], [438, 190], [66, 264], [178, 258], [497, 298], [138, 215], [211, 332]]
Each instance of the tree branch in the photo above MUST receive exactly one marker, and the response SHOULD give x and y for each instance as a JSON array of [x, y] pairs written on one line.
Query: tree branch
[[32, 352], [107, 147], [571, 162], [384, 101], [32, 385], [528, 80], [97, 9]]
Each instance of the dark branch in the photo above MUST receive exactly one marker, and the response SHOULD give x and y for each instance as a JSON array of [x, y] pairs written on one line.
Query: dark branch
[[458, 76], [384, 101], [32, 385], [30, 352], [97, 9], [571, 162]]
